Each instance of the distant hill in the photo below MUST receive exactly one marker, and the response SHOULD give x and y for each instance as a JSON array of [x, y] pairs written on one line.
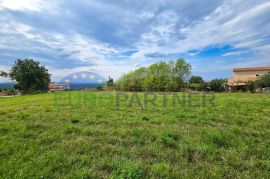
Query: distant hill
[[6, 85]]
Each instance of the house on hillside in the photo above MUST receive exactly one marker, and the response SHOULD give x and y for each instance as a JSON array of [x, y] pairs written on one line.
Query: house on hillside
[[56, 87], [243, 75]]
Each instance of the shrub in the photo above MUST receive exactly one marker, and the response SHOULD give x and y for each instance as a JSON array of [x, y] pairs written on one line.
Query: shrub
[[251, 86], [263, 81], [196, 80], [217, 85]]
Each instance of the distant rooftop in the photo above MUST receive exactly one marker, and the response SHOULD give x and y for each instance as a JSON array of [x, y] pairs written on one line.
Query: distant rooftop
[[251, 69]]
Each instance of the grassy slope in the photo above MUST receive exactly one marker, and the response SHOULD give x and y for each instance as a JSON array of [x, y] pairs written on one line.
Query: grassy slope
[[39, 139]]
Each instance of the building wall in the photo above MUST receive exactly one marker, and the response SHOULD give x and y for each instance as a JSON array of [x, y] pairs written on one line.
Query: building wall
[[247, 75]]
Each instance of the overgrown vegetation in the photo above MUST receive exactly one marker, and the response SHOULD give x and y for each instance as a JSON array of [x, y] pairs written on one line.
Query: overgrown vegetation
[[40, 138], [217, 85], [263, 81], [160, 76], [167, 77]]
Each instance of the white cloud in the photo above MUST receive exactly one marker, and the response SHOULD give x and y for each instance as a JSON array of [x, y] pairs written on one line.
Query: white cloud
[[226, 25], [21, 5], [234, 53], [79, 47]]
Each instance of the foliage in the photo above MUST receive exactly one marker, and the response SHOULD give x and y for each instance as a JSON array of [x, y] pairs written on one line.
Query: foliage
[[263, 81], [160, 76], [3, 74], [30, 76], [182, 71], [198, 86], [40, 139], [217, 85], [110, 82], [196, 80], [251, 86], [133, 81]]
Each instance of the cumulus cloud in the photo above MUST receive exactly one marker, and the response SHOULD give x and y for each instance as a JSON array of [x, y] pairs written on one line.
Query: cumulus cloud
[[21, 5]]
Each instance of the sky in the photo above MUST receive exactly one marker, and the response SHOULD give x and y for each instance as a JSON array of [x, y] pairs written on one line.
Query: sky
[[113, 37]]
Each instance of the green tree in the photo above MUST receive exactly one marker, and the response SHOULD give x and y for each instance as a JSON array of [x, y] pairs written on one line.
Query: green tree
[[217, 85], [196, 80], [30, 76], [263, 81], [197, 83], [160, 76], [133, 81], [3, 74], [110, 82], [182, 71]]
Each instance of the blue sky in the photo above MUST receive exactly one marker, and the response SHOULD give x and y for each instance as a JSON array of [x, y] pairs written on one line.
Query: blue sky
[[112, 37]]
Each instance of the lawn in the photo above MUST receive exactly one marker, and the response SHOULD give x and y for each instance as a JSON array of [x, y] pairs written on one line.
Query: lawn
[[86, 135]]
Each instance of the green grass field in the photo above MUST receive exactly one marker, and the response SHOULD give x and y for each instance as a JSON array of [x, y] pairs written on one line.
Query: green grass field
[[44, 136]]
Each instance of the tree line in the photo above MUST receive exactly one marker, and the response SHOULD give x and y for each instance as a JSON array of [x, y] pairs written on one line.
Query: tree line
[[169, 76], [172, 76]]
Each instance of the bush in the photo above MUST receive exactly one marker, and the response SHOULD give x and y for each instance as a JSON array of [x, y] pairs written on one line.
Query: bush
[[198, 87], [217, 85], [251, 86], [263, 81], [196, 80]]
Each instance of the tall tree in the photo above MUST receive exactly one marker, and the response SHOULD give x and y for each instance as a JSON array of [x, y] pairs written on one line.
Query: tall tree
[[182, 70], [30, 76], [110, 82]]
